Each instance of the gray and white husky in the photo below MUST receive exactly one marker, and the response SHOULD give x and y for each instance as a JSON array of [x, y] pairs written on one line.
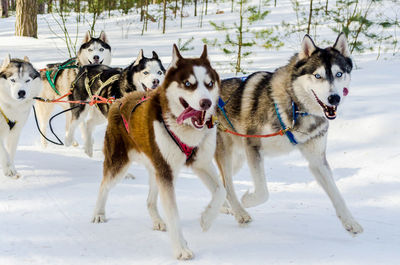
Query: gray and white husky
[[92, 51], [144, 74], [301, 97], [19, 83]]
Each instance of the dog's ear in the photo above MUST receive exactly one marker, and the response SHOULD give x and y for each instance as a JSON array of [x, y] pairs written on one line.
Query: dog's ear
[[204, 55], [103, 37], [176, 56], [140, 57], [87, 37], [26, 59], [6, 61], [155, 55], [307, 47], [341, 45]]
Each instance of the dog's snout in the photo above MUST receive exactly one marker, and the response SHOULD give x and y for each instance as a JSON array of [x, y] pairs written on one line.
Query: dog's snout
[[21, 93], [156, 82], [205, 104], [334, 99], [96, 57]]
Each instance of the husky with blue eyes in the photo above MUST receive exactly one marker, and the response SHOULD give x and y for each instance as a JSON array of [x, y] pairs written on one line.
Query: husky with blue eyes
[[19, 84], [298, 100]]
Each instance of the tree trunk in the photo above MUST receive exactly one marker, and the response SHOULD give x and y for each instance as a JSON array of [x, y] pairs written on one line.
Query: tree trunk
[[41, 7], [240, 39], [183, 3], [4, 8], [26, 18], [176, 8], [195, 8], [326, 7], [206, 7], [309, 18], [164, 15], [49, 6], [13, 5]]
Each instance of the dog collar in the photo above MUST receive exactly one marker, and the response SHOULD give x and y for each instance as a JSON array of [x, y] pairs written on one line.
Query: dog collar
[[296, 114], [186, 149], [10, 123]]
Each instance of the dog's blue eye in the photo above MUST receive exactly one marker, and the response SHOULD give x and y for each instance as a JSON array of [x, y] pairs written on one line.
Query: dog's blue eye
[[101, 49], [145, 73], [210, 84], [90, 50], [188, 84], [159, 73], [318, 76], [339, 74], [12, 80]]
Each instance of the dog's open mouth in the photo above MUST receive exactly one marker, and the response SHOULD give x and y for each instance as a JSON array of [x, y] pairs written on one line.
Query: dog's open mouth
[[147, 89], [198, 116], [329, 111]]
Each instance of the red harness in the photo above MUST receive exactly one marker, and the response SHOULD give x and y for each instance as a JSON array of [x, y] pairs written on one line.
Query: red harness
[[186, 149]]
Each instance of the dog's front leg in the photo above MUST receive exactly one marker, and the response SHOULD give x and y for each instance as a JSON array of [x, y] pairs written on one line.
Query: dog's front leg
[[167, 195], [256, 166], [314, 152], [6, 162], [208, 174]]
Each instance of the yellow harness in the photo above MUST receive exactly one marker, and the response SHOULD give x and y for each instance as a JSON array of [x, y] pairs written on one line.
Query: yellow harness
[[10, 123]]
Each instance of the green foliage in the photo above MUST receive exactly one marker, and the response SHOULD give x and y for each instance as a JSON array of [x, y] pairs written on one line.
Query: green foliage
[[239, 37], [185, 45]]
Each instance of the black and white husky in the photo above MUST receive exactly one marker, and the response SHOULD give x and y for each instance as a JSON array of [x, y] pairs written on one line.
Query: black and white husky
[[301, 97], [19, 83], [92, 51], [144, 74]]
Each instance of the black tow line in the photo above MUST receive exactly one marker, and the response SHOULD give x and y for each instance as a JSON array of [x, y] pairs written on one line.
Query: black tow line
[[51, 127]]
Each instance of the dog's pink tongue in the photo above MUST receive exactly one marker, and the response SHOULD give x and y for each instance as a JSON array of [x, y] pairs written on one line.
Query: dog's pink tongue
[[186, 114]]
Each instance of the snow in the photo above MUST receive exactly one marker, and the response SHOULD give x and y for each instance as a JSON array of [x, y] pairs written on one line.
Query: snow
[[45, 216]]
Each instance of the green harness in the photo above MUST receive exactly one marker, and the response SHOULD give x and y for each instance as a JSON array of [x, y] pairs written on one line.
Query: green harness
[[70, 64]]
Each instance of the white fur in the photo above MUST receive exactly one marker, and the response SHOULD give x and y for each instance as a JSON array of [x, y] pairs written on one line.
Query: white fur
[[16, 109], [95, 49], [148, 75]]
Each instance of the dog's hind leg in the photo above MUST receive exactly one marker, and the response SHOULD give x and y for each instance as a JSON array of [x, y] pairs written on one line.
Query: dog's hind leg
[[255, 161], [314, 152], [95, 118], [208, 174], [167, 195], [158, 223], [223, 157]]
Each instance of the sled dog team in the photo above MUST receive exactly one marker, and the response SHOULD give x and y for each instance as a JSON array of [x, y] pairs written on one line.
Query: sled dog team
[[186, 116]]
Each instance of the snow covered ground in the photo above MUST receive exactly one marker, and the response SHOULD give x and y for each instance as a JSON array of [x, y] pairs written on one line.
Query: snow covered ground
[[45, 216]]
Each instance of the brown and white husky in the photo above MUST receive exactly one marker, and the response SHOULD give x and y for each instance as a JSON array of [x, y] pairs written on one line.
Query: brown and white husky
[[172, 128]]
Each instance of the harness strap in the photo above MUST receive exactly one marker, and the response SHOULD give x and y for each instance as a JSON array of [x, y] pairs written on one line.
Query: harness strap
[[51, 81], [221, 106], [89, 83], [186, 149], [10, 123], [124, 119]]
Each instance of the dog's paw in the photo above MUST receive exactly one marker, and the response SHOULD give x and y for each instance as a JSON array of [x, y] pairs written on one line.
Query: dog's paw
[[250, 199], [130, 176], [99, 218], [159, 225], [206, 221], [243, 218], [11, 172], [75, 143], [352, 226], [184, 254], [68, 141], [89, 150]]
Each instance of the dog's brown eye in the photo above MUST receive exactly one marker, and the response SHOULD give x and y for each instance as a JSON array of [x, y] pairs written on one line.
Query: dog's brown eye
[[188, 84], [90, 50]]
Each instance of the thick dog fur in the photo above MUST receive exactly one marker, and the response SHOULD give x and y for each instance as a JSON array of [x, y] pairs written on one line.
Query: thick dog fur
[[143, 74], [313, 73], [92, 51], [19, 83], [148, 142]]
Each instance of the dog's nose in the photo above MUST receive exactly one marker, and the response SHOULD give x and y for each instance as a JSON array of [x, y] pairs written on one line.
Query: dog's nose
[[156, 82], [205, 104], [21, 93], [96, 57], [334, 99]]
